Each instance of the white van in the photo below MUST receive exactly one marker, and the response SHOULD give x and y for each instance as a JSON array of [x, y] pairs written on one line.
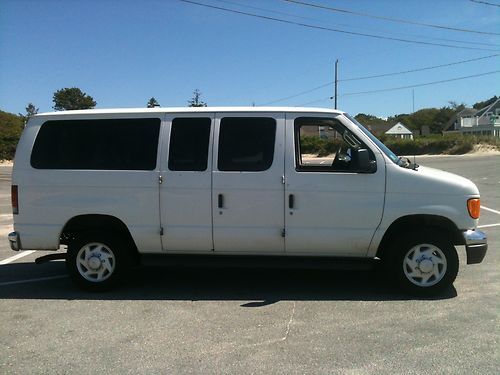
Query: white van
[[269, 185]]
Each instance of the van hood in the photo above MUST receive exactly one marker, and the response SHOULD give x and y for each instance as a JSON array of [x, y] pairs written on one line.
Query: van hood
[[427, 180]]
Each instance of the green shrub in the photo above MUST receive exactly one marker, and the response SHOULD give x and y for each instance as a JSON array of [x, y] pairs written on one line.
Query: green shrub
[[318, 146], [455, 144], [11, 127]]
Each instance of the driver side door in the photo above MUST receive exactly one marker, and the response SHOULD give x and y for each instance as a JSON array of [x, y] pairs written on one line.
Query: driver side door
[[331, 207]]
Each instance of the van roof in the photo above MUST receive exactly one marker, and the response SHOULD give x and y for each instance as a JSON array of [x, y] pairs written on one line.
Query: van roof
[[190, 110]]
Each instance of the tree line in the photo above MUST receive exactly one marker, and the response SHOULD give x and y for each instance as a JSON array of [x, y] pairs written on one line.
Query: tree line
[[431, 120], [11, 125], [73, 98], [436, 119], [65, 99]]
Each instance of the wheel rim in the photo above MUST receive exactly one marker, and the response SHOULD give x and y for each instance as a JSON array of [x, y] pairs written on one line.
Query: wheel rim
[[425, 265], [95, 262]]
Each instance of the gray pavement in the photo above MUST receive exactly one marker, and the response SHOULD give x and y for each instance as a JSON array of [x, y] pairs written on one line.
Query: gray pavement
[[253, 321]]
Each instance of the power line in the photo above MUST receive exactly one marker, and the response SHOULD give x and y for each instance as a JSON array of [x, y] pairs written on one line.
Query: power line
[[314, 101], [485, 3], [379, 76], [354, 27], [333, 30], [399, 20], [420, 84], [298, 94], [417, 70], [401, 87], [264, 10]]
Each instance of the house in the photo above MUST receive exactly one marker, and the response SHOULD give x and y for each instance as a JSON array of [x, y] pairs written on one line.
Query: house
[[485, 121], [400, 131], [378, 129], [454, 123]]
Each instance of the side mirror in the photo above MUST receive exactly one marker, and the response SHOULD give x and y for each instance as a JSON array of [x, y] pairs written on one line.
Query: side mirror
[[364, 162]]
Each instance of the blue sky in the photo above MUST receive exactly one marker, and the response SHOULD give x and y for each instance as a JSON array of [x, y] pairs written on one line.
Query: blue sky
[[124, 52]]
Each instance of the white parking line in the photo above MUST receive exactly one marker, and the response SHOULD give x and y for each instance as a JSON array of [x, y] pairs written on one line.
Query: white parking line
[[33, 280], [16, 257], [489, 225], [491, 210]]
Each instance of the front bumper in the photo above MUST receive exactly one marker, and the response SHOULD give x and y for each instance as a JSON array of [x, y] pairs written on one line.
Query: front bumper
[[476, 245], [15, 241]]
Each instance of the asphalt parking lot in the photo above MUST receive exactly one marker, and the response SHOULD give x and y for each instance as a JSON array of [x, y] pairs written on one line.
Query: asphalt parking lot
[[253, 321]]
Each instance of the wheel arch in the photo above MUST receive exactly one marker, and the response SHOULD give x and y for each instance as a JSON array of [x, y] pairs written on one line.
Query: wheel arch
[[412, 223], [96, 222]]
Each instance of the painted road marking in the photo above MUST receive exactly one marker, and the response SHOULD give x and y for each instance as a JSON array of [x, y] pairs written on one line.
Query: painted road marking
[[491, 210], [34, 280], [16, 257], [489, 225]]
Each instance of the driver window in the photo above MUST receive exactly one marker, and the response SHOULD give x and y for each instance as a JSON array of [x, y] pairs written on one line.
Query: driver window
[[325, 145]]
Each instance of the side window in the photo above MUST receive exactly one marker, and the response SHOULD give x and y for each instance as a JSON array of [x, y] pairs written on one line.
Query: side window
[[246, 143], [325, 145], [189, 140], [114, 144]]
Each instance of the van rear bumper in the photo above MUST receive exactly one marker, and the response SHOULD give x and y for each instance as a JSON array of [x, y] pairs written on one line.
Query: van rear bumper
[[476, 245], [15, 241]]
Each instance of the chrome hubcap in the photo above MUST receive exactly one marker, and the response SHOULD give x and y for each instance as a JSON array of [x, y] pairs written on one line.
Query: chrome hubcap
[[424, 265], [95, 262]]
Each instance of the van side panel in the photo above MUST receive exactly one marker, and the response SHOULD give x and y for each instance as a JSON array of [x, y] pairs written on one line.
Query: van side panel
[[49, 198], [54, 197]]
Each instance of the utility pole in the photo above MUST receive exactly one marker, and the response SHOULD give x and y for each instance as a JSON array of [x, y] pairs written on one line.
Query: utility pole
[[413, 99], [336, 81]]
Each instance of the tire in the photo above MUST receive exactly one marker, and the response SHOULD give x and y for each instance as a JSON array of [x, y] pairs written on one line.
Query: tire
[[423, 263], [96, 261]]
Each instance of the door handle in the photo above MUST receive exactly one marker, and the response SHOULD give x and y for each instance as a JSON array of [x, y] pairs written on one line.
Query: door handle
[[291, 201], [220, 201]]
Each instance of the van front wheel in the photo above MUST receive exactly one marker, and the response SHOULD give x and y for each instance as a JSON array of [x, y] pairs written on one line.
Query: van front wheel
[[94, 262], [424, 263]]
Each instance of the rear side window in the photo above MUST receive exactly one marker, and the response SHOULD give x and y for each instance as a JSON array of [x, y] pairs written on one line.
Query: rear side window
[[246, 143], [189, 141], [115, 144]]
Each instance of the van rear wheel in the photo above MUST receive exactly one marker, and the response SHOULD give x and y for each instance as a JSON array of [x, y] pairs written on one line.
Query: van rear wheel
[[95, 261], [424, 263]]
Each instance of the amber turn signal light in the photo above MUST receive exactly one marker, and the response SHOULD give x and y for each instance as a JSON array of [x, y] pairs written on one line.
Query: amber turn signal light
[[474, 207]]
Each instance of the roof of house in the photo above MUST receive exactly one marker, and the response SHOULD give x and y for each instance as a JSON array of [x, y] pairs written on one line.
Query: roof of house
[[464, 112], [399, 128], [378, 128], [471, 112], [489, 108]]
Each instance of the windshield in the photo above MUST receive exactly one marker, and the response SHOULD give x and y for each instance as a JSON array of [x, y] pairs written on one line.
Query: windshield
[[380, 145]]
